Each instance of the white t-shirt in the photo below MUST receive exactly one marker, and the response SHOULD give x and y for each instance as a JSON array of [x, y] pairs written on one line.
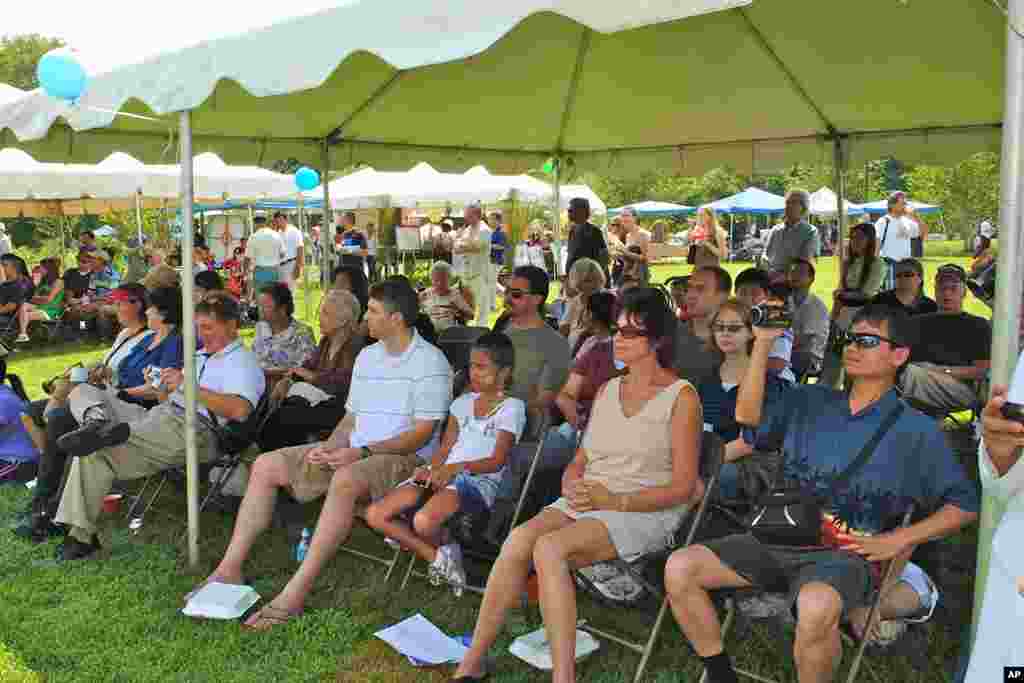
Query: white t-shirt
[[476, 264], [897, 232], [265, 248], [291, 238], [479, 435], [5, 244], [371, 247], [390, 393], [233, 370]]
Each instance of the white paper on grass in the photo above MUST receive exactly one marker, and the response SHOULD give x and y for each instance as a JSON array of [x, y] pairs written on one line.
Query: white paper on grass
[[534, 648], [221, 601], [418, 638]]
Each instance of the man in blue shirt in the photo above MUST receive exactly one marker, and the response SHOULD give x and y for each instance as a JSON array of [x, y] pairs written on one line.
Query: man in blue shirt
[[821, 432]]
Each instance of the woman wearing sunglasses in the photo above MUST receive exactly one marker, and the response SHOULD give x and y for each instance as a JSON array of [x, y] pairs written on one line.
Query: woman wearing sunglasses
[[631, 483], [732, 336]]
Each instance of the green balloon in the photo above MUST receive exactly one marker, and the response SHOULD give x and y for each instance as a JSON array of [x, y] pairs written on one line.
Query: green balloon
[[549, 166]]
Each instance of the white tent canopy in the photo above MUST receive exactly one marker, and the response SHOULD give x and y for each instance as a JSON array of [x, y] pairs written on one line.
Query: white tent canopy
[[568, 192], [824, 202]]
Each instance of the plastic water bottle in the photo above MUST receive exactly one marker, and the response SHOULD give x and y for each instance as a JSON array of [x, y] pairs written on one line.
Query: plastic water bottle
[[303, 547], [135, 525]]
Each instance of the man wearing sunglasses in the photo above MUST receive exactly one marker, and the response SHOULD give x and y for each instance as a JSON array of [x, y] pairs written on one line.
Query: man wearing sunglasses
[[952, 355], [822, 431], [908, 294]]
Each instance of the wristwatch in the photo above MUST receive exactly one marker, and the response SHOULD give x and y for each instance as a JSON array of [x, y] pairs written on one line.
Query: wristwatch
[[365, 450]]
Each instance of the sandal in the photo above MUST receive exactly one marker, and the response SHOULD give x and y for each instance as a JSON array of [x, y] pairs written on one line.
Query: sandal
[[212, 578], [271, 616]]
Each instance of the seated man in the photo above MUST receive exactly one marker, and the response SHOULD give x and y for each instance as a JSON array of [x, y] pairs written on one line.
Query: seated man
[[105, 280], [909, 292], [230, 386], [78, 286], [695, 358], [822, 431], [13, 290], [401, 388], [445, 306], [810, 319], [755, 287], [952, 351]]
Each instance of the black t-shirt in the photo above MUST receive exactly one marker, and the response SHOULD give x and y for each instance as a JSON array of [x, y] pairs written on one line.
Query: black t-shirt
[[922, 306], [353, 238], [12, 292], [76, 283], [954, 339], [587, 241]]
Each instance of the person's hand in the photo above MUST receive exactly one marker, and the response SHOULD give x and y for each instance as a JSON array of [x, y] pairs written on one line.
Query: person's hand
[[1002, 437], [172, 379], [333, 458], [302, 374], [422, 474], [599, 496], [768, 334], [442, 476], [576, 493], [280, 391], [876, 548]]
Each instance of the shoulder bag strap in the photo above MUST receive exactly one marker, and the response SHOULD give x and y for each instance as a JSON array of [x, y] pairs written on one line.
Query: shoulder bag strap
[[866, 452], [123, 342], [884, 235]]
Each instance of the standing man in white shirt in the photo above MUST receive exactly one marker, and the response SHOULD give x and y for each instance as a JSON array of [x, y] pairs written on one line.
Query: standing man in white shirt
[[894, 232], [263, 254], [474, 246], [290, 269]]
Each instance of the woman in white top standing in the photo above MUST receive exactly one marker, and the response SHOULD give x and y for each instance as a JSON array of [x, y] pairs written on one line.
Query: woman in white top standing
[[465, 471]]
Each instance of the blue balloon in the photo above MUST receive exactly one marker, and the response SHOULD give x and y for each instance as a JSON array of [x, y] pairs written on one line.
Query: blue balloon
[[306, 178], [61, 75]]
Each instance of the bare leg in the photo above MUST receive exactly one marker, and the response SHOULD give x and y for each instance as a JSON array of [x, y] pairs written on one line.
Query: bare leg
[[429, 520], [269, 473], [899, 601], [582, 543], [817, 649], [332, 529], [505, 584], [689, 574], [381, 516]]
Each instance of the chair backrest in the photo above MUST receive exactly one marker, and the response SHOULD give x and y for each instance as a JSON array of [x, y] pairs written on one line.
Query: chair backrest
[[235, 437], [456, 343]]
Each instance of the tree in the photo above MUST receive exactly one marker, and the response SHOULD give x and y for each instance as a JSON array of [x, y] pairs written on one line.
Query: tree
[[19, 56]]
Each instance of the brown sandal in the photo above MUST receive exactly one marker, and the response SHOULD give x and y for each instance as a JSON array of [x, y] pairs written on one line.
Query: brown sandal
[[271, 616]]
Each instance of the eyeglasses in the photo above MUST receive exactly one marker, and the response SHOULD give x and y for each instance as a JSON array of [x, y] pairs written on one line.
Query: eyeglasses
[[867, 341], [734, 328], [631, 332], [516, 293]]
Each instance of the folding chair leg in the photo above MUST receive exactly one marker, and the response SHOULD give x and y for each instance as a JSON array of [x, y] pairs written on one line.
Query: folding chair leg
[[217, 486], [408, 572], [529, 480], [393, 564], [649, 647]]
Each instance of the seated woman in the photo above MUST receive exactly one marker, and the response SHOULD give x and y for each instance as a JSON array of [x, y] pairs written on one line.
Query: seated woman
[[465, 471], [983, 257], [352, 279], [19, 457], [446, 306], [632, 481], [282, 342], [48, 302], [733, 337], [311, 398], [585, 278]]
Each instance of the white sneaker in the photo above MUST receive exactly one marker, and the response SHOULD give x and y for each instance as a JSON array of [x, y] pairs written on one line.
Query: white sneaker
[[22, 339], [456, 573]]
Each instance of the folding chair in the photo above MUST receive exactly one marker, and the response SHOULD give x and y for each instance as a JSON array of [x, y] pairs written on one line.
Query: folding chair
[[9, 327], [712, 451], [456, 343], [860, 646]]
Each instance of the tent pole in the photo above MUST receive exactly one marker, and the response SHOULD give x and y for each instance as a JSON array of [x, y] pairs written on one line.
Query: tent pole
[[327, 225], [189, 337], [138, 215], [303, 223], [1006, 312], [839, 169], [557, 197]]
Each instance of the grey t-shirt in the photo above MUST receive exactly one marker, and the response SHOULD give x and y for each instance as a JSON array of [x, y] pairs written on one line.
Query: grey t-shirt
[[786, 243], [694, 360], [542, 361]]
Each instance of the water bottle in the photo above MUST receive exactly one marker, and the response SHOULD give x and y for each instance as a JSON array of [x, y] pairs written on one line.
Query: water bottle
[[135, 525], [303, 547]]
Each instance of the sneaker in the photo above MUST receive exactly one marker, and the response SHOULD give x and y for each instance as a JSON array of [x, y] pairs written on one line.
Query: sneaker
[[73, 549], [456, 573], [93, 436], [39, 528], [439, 567], [22, 339]]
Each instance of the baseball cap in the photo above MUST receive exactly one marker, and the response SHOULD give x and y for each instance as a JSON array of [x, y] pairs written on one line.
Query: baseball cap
[[985, 229], [951, 271], [129, 292]]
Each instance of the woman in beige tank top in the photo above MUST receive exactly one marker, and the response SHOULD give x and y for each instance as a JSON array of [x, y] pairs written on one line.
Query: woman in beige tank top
[[624, 494]]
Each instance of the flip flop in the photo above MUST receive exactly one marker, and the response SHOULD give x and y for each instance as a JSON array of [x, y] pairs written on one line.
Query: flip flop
[[213, 578], [272, 616]]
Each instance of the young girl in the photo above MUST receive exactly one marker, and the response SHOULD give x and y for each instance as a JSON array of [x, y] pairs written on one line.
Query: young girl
[[465, 471]]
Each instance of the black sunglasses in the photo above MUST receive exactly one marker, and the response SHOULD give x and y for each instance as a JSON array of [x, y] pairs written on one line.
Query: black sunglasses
[[516, 293], [631, 332], [867, 341]]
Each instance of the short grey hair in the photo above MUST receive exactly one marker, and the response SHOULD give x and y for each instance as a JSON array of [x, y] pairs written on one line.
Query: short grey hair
[[442, 266], [344, 304], [803, 195], [584, 268]]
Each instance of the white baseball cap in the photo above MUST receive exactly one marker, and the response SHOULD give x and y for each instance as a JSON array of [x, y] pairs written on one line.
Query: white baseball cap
[[986, 229]]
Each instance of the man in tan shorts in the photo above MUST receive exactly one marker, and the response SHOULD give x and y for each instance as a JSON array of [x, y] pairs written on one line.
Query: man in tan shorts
[[401, 389]]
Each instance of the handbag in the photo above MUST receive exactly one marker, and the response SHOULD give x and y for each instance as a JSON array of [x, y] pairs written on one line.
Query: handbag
[[791, 517]]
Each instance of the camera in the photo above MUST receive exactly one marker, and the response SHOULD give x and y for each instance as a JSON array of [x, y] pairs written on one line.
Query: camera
[[983, 285], [771, 315], [1013, 409]]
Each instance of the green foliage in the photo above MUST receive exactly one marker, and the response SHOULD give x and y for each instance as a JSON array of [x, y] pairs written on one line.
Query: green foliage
[[967, 192], [19, 56]]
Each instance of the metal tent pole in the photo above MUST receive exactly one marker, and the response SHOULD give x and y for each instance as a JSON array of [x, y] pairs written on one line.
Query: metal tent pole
[[839, 169], [138, 214], [557, 197], [327, 225], [303, 223], [1006, 312], [189, 338]]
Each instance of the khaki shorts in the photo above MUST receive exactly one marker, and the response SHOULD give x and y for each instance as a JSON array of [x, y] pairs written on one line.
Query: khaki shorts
[[380, 472]]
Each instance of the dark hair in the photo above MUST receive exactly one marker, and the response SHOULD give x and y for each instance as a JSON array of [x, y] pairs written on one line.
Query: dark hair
[[804, 262], [167, 300], [897, 323], [88, 233], [139, 294], [916, 266], [279, 214], [498, 347], [722, 278], [51, 270], [983, 244], [350, 215], [753, 277], [870, 249], [651, 307], [357, 278], [540, 284], [282, 297], [397, 297], [221, 305], [19, 265], [209, 280], [601, 306], [16, 383], [779, 290]]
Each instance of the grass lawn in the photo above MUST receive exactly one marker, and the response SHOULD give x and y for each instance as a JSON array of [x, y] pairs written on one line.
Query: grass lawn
[[117, 618]]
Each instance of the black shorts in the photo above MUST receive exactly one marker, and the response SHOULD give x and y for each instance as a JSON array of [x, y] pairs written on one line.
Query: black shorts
[[787, 570]]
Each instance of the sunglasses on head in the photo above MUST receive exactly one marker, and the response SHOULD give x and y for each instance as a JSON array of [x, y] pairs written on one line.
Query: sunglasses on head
[[867, 341], [731, 328], [631, 332]]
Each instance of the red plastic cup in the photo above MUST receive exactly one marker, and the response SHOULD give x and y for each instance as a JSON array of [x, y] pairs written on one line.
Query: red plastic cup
[[112, 503]]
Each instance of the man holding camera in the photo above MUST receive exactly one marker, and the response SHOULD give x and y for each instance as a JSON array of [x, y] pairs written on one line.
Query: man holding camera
[[895, 233], [911, 462]]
